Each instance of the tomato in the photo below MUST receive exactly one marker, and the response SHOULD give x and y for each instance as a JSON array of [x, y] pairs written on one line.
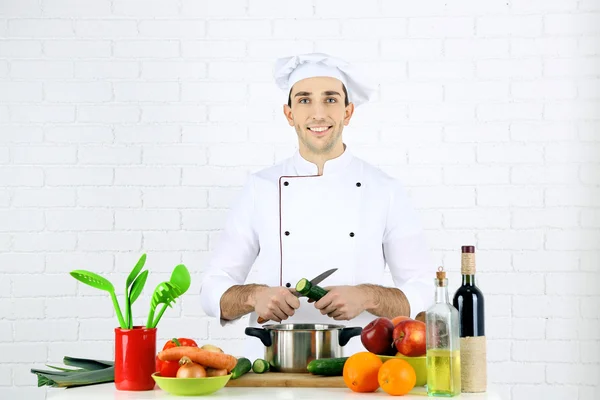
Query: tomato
[[180, 342], [169, 368]]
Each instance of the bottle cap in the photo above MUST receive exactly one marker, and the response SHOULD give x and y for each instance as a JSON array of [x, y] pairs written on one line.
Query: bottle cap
[[468, 249]]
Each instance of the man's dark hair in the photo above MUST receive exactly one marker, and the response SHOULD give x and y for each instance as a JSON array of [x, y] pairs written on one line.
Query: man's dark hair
[[346, 102]]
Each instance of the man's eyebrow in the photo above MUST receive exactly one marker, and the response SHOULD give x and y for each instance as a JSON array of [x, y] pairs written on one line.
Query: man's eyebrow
[[326, 93]]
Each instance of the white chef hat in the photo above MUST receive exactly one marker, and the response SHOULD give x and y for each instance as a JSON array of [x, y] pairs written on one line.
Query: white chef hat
[[289, 70]]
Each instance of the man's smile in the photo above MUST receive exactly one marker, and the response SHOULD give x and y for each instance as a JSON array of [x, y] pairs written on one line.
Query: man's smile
[[320, 130]]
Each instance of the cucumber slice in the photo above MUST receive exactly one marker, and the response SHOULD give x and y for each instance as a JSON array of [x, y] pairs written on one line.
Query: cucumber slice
[[303, 286], [313, 292], [260, 366]]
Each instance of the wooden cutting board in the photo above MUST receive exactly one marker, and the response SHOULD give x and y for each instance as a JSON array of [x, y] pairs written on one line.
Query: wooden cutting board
[[282, 379]]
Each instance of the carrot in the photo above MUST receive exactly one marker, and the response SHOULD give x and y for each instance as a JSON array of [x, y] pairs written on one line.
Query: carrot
[[203, 357]]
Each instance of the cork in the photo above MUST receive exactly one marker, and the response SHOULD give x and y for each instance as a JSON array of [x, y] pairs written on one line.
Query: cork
[[440, 274], [440, 277], [467, 264], [473, 364]]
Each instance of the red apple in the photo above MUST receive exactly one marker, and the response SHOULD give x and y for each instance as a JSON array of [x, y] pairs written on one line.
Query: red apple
[[410, 339], [377, 336]]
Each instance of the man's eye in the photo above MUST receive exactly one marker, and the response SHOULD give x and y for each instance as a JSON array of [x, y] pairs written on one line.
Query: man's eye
[[303, 101], [331, 100]]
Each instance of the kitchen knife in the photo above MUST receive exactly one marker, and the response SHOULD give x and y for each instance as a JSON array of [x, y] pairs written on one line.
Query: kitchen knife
[[315, 281]]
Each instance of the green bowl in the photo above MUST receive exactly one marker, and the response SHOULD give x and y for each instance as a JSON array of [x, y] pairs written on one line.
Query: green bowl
[[191, 386], [418, 363]]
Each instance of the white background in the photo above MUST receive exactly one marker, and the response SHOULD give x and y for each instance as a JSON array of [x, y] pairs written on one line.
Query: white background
[[130, 126]]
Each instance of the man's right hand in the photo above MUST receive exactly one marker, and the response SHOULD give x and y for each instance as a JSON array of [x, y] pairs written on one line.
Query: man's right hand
[[275, 303]]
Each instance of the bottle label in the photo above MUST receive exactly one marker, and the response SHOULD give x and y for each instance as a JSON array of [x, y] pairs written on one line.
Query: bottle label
[[468, 264], [473, 364]]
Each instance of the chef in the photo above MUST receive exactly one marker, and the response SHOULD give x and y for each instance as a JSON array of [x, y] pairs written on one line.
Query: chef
[[319, 209]]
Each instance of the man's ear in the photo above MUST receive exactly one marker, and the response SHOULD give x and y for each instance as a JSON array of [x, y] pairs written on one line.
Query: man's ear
[[287, 111], [348, 113]]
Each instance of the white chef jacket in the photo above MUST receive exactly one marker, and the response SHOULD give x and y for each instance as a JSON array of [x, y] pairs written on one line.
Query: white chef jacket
[[290, 223]]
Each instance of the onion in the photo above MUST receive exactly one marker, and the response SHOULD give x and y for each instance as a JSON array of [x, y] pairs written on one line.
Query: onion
[[190, 369]]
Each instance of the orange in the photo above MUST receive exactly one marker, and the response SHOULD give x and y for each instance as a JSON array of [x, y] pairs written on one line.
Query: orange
[[360, 372], [397, 377], [399, 318]]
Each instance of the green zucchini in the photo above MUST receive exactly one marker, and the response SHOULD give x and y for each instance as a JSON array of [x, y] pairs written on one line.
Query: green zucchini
[[243, 365], [327, 366], [313, 292], [260, 366]]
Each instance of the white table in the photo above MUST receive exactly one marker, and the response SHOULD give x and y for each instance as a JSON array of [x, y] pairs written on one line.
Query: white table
[[107, 391]]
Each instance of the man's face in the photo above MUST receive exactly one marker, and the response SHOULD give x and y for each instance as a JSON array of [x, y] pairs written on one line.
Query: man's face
[[318, 114]]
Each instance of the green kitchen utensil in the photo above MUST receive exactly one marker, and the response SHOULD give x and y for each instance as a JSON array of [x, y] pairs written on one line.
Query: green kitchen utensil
[[137, 287], [180, 277], [165, 293], [136, 290], [98, 282], [130, 280]]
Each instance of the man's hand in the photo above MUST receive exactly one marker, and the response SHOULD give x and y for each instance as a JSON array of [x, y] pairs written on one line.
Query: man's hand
[[274, 303], [344, 302]]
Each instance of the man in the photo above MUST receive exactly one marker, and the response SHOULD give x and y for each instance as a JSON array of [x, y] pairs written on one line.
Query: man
[[322, 208]]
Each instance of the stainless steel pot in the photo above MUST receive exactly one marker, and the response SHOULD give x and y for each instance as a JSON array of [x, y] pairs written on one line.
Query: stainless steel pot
[[290, 347]]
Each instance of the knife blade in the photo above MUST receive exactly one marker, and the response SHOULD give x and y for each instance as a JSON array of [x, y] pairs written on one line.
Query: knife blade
[[315, 281]]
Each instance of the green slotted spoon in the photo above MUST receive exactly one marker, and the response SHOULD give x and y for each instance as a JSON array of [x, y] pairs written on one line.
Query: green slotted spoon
[[166, 293], [98, 282]]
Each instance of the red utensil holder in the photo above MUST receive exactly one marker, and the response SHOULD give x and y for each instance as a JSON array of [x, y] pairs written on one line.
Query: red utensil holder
[[135, 358]]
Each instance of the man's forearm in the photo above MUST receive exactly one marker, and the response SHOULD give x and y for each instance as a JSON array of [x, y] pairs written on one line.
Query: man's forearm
[[386, 302], [238, 301]]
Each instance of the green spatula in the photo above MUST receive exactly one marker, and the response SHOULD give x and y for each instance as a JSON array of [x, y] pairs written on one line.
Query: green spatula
[[98, 282], [135, 285]]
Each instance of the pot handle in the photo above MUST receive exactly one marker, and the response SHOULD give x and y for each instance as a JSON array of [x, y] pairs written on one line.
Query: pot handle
[[260, 333], [348, 333]]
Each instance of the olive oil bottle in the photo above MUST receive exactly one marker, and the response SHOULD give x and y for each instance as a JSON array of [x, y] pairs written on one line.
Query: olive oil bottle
[[443, 343]]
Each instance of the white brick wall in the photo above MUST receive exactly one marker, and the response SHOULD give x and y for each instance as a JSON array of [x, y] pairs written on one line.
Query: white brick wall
[[130, 126]]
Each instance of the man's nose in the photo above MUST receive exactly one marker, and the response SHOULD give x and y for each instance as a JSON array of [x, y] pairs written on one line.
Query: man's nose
[[319, 110]]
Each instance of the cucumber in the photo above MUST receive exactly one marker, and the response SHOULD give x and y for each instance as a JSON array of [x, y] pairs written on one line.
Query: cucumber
[[327, 366], [305, 288], [260, 366], [243, 365]]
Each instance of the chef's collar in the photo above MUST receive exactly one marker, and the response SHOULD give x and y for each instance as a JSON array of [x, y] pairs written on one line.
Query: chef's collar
[[333, 166]]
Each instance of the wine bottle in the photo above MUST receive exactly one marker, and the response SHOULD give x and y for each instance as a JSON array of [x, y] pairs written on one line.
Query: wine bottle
[[469, 302]]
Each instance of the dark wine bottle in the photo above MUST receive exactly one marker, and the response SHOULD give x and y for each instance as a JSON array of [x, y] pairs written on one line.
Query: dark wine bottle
[[469, 302], [468, 299]]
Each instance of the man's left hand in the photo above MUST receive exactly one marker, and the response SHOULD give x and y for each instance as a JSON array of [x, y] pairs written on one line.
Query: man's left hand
[[343, 302]]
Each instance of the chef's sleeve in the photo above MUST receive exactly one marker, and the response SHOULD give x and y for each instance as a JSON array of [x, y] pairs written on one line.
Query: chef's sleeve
[[234, 254], [406, 252]]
